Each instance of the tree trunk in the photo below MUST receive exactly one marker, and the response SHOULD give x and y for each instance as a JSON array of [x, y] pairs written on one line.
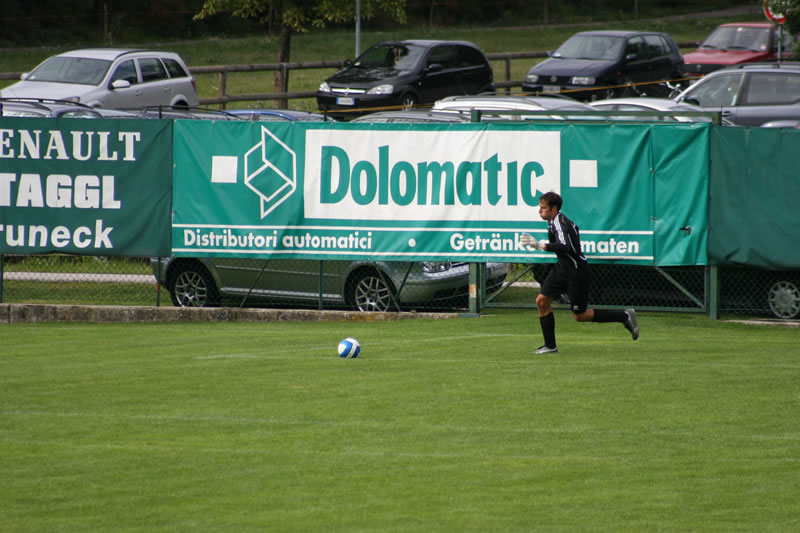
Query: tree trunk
[[282, 76]]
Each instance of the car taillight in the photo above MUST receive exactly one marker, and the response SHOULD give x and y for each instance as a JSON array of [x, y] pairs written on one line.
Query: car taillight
[[194, 84]]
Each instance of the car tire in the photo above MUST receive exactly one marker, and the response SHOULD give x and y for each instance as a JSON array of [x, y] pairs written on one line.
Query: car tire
[[783, 298], [408, 101], [368, 290], [191, 285]]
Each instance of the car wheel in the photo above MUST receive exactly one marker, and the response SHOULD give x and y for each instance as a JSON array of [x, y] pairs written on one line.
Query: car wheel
[[783, 298], [369, 291], [408, 101], [192, 286]]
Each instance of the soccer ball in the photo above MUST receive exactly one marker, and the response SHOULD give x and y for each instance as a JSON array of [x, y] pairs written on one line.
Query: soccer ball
[[349, 348]]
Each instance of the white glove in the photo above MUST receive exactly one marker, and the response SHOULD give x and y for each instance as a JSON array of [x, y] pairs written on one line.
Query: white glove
[[526, 239]]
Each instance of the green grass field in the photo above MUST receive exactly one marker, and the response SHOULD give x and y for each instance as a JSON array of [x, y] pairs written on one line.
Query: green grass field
[[440, 425]]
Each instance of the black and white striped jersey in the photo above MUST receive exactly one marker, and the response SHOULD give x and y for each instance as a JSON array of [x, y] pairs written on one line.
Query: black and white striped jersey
[[565, 241]]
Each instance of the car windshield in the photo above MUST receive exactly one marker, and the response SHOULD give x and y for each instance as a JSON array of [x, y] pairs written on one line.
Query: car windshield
[[390, 56], [738, 38], [81, 70], [602, 47]]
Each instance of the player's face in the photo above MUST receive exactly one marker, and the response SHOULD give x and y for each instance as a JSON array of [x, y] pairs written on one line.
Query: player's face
[[547, 212]]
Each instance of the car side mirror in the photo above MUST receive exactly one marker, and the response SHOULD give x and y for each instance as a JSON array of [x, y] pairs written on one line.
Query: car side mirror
[[693, 101], [434, 67], [631, 57], [120, 84], [24, 75]]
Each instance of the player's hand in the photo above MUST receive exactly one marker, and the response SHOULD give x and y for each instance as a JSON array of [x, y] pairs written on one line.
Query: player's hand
[[526, 239]]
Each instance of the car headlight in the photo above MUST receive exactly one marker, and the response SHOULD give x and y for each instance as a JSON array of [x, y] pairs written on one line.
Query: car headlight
[[386, 88], [583, 80], [533, 78], [432, 267], [324, 87]]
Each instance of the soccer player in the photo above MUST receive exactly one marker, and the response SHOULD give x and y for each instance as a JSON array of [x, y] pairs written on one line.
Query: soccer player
[[571, 274]]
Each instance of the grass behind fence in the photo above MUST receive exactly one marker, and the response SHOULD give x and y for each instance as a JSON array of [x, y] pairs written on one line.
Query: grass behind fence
[[439, 426]]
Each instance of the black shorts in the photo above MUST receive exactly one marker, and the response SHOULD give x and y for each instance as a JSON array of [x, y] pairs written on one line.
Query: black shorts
[[573, 282]]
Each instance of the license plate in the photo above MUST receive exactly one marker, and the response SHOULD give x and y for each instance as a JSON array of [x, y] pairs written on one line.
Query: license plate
[[345, 100], [551, 89]]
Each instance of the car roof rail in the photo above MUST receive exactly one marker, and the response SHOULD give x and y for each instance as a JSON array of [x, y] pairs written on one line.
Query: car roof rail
[[771, 63]]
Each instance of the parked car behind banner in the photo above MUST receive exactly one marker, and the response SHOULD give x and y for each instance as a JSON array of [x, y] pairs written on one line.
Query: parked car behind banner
[[592, 65], [749, 94], [110, 77], [405, 73], [735, 43]]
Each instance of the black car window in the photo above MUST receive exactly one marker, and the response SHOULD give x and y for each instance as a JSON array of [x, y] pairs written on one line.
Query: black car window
[[174, 68], [772, 88], [392, 56], [655, 46], [447, 56], [152, 69], [668, 48], [469, 57], [125, 71], [636, 46], [601, 47], [719, 91]]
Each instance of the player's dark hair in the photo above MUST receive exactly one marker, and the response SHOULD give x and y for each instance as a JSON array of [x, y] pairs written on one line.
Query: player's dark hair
[[552, 199]]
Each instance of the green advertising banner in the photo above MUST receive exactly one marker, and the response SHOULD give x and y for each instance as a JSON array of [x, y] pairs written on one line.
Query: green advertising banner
[[85, 186], [754, 218], [434, 191]]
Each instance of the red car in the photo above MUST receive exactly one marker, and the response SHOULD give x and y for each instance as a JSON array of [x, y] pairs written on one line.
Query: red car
[[734, 43]]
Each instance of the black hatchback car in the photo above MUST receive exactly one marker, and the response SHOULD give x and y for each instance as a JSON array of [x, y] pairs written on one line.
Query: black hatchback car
[[405, 73], [595, 65]]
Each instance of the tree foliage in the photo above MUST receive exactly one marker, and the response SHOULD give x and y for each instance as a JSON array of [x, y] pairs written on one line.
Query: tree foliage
[[302, 15], [793, 17]]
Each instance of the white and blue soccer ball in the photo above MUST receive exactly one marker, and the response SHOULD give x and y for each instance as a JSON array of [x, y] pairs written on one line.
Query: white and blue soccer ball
[[349, 348]]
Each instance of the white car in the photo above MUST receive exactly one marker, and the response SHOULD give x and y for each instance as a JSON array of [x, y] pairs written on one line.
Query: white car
[[493, 105], [661, 105], [112, 78]]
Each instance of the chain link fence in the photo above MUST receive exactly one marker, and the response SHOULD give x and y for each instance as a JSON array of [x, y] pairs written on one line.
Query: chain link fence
[[210, 282], [380, 286], [739, 291]]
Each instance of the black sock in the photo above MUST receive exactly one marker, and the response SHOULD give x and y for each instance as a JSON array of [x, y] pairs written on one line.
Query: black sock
[[608, 315], [548, 323]]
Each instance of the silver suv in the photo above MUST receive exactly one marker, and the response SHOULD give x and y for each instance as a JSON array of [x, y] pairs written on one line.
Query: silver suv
[[114, 78]]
